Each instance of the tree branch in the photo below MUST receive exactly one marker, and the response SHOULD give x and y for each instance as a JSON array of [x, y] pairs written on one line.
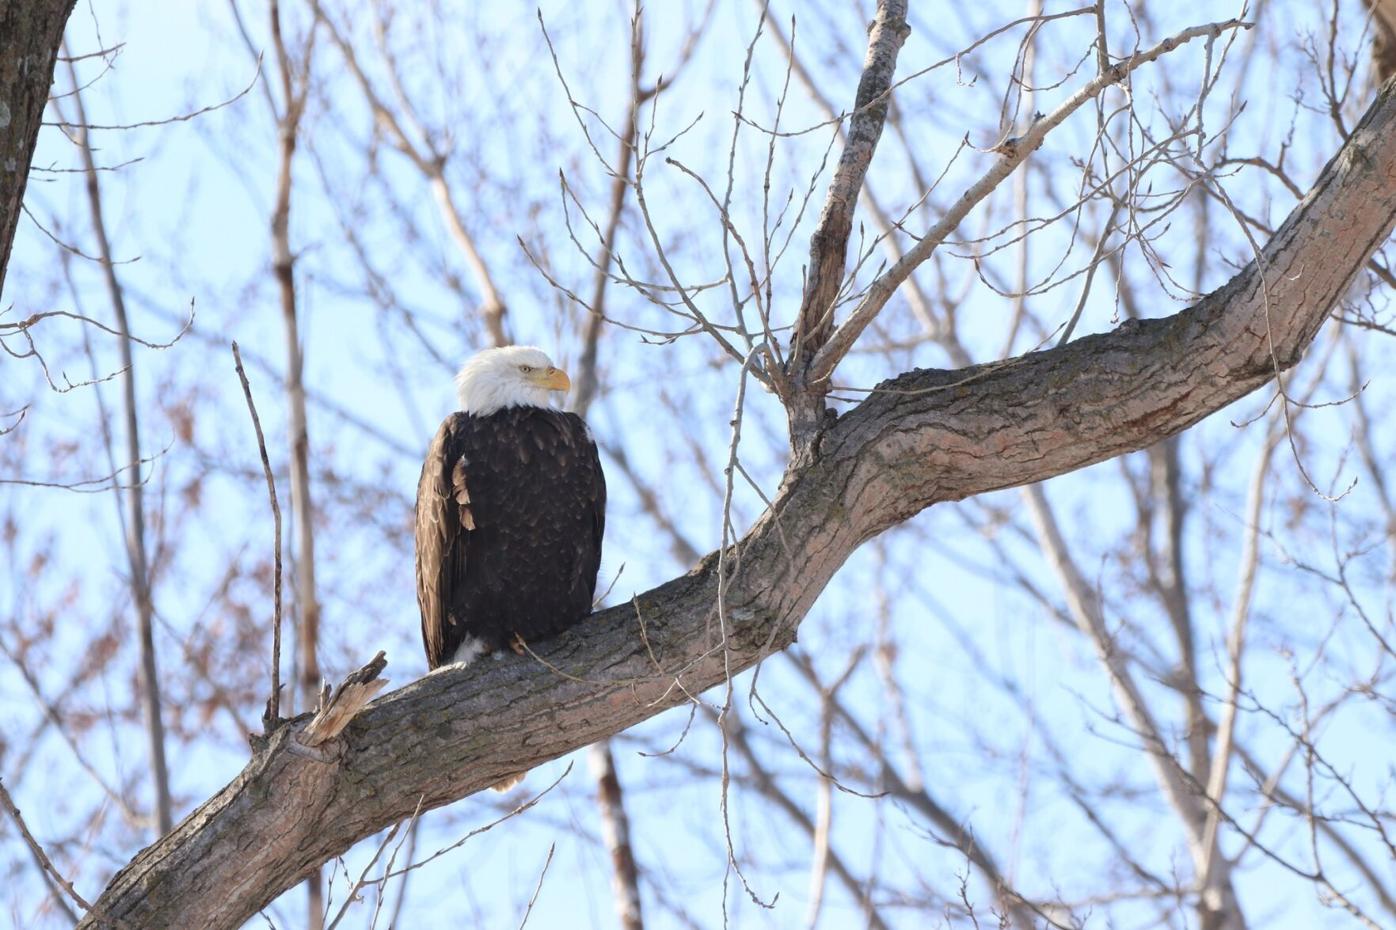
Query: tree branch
[[828, 247], [919, 439], [615, 832], [1013, 152], [132, 495]]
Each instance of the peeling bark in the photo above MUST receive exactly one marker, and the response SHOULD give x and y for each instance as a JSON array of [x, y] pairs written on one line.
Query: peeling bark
[[922, 438]]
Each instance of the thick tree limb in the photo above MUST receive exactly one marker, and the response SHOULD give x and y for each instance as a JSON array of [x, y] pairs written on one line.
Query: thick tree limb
[[30, 31], [921, 438]]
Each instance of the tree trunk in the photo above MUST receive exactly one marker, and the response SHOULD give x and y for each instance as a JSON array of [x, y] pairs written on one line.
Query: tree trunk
[[30, 32]]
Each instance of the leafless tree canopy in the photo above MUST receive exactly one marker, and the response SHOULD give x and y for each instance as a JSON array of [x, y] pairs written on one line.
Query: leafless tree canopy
[[992, 398]]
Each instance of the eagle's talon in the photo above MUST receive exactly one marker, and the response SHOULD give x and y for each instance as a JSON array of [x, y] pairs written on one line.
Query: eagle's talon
[[518, 645], [508, 783]]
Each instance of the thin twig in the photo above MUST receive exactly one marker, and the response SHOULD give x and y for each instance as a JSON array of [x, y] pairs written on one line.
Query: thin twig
[[352, 894], [273, 705], [537, 890], [1012, 152], [38, 851]]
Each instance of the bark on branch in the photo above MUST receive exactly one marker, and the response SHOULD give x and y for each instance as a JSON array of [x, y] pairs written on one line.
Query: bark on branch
[[922, 438], [828, 247]]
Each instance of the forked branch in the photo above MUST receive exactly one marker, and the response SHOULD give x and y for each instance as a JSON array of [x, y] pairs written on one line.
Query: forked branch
[[828, 248], [919, 439], [1012, 153]]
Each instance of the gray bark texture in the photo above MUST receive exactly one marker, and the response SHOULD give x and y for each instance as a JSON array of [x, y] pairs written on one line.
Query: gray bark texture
[[828, 247], [922, 438], [30, 31]]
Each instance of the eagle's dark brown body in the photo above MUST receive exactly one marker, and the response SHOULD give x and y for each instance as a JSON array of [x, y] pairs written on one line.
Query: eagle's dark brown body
[[511, 508]]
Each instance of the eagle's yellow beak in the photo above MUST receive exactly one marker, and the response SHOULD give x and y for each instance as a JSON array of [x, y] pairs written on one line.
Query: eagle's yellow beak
[[555, 379]]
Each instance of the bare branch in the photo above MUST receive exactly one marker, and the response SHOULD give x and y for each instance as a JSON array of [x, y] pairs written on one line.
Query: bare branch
[[134, 526], [615, 830], [274, 702], [829, 243], [1013, 153], [47, 864], [432, 165]]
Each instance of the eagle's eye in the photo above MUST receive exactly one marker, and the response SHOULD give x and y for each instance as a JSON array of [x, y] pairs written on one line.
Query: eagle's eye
[[525, 368]]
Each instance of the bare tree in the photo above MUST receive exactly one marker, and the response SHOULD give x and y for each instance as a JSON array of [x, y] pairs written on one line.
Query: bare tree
[[1072, 649]]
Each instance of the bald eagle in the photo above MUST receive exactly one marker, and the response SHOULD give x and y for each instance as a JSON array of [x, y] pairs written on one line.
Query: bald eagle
[[511, 508]]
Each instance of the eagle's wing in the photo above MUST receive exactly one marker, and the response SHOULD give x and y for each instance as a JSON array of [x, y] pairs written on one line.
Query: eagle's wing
[[444, 519], [588, 482], [597, 493]]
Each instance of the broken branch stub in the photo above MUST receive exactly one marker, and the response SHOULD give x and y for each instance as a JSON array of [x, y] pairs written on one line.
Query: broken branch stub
[[338, 709]]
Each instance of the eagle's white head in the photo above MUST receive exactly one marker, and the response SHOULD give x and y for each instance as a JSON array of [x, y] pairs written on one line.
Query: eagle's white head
[[512, 376]]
